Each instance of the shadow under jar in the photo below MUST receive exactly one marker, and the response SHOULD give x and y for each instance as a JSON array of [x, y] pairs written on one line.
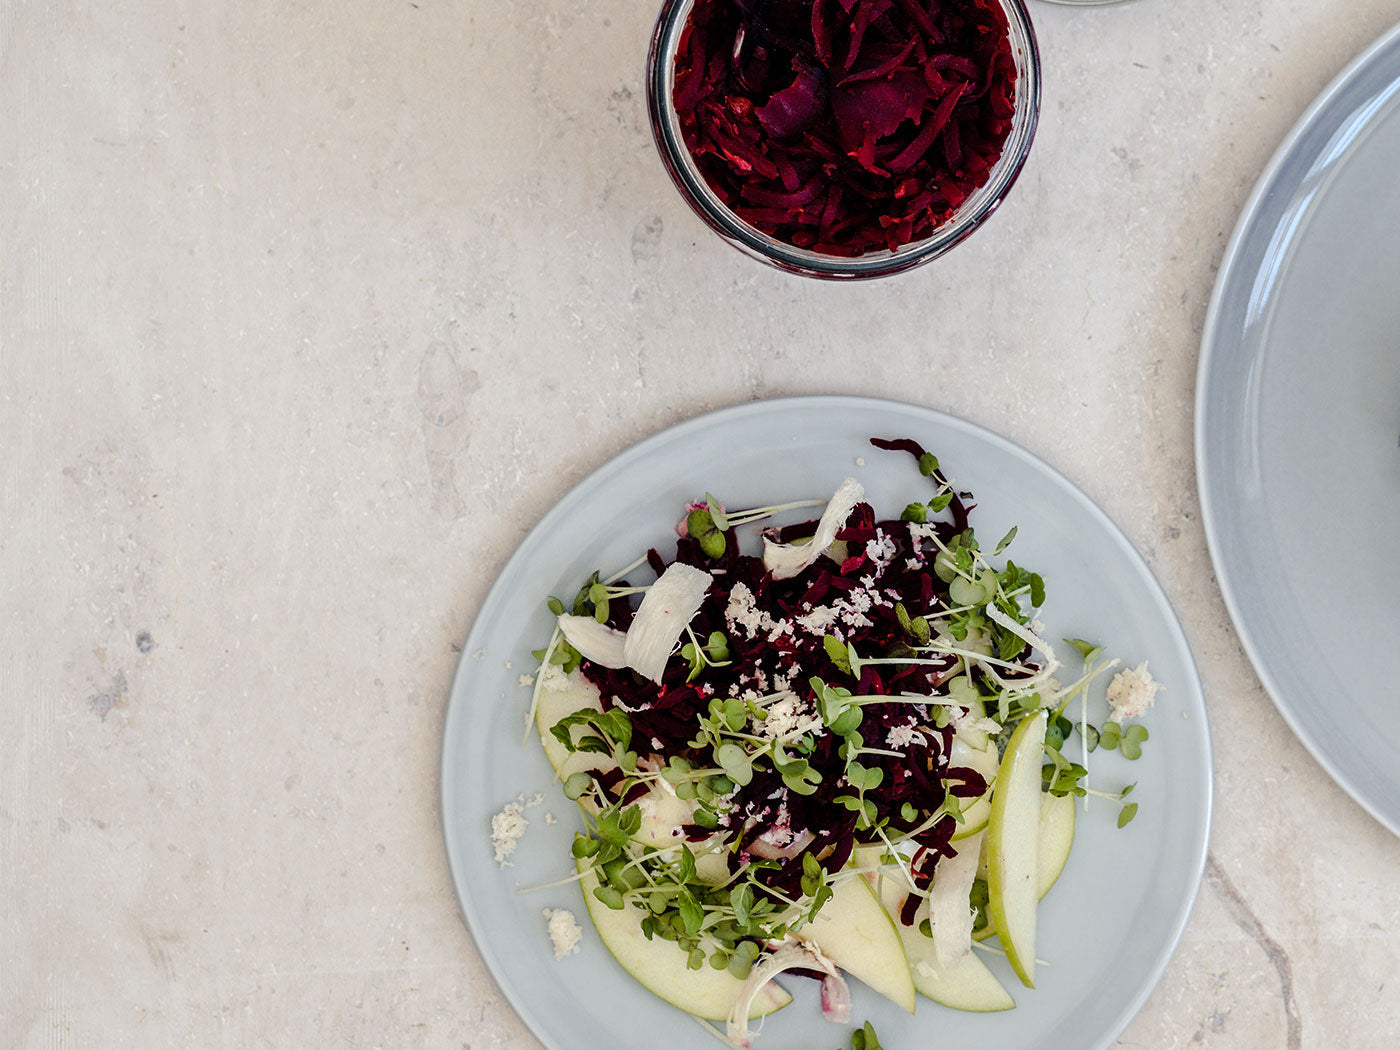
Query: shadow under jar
[[832, 127]]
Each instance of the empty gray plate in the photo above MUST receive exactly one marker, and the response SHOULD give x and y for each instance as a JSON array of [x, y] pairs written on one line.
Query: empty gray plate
[[1298, 429], [1108, 926]]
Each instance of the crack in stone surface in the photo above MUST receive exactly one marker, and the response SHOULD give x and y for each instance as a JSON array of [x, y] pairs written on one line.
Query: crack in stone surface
[[1245, 918]]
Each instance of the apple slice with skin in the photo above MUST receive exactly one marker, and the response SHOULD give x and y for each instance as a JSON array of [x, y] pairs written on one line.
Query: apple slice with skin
[[560, 697], [1056, 840], [663, 968], [856, 933], [1013, 846], [662, 812], [965, 985], [984, 761]]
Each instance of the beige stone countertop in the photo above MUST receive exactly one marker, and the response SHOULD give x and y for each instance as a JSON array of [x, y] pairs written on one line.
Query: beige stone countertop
[[310, 308]]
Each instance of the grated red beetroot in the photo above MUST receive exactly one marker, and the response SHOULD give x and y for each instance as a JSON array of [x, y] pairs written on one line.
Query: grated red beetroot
[[845, 126]]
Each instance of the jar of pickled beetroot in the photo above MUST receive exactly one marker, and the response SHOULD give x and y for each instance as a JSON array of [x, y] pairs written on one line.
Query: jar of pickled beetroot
[[844, 138]]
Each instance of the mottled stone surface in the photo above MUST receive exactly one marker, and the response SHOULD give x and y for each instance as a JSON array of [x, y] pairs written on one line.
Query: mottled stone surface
[[309, 309]]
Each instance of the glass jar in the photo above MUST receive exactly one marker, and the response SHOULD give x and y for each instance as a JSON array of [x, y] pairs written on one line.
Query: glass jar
[[973, 212]]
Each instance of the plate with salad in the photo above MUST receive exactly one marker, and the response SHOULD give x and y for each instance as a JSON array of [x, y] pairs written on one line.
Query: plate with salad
[[826, 721]]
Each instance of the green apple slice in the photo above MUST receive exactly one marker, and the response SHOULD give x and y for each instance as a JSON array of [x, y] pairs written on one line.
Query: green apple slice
[[1013, 846], [984, 761], [663, 968], [559, 697], [1056, 842], [965, 985], [965, 694], [1056, 839], [856, 933], [662, 812]]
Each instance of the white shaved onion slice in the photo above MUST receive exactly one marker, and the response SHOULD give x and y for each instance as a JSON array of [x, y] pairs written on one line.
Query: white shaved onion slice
[[667, 608], [595, 641], [836, 996], [786, 560], [948, 910]]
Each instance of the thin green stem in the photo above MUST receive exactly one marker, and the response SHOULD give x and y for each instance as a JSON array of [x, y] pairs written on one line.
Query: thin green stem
[[624, 571], [539, 682], [746, 517]]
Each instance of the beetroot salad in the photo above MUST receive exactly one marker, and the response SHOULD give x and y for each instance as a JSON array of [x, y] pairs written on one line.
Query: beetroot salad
[[845, 126], [762, 727]]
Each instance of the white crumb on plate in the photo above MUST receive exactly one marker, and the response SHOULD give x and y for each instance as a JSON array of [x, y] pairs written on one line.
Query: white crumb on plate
[[563, 931], [860, 461], [507, 828], [1131, 693], [549, 818], [525, 680]]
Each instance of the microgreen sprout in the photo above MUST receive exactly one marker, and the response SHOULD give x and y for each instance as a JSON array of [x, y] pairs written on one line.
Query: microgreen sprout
[[1061, 776], [1128, 742], [1131, 744], [701, 525], [1005, 541], [920, 512], [713, 652], [837, 653], [1129, 810], [709, 524], [815, 884], [864, 1038], [916, 627], [797, 772], [598, 595], [561, 654], [717, 514], [625, 570]]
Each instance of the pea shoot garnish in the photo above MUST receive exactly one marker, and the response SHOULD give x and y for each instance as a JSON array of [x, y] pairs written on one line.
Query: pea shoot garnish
[[864, 1038]]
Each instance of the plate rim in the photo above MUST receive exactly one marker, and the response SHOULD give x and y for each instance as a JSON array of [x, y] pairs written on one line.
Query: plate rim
[[1211, 349], [1176, 634]]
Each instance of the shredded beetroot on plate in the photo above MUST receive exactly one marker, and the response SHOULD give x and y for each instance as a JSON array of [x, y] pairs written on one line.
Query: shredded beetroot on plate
[[845, 126]]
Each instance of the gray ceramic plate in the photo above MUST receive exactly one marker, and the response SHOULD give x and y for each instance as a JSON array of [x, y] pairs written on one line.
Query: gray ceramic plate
[[1297, 420], [1107, 928]]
